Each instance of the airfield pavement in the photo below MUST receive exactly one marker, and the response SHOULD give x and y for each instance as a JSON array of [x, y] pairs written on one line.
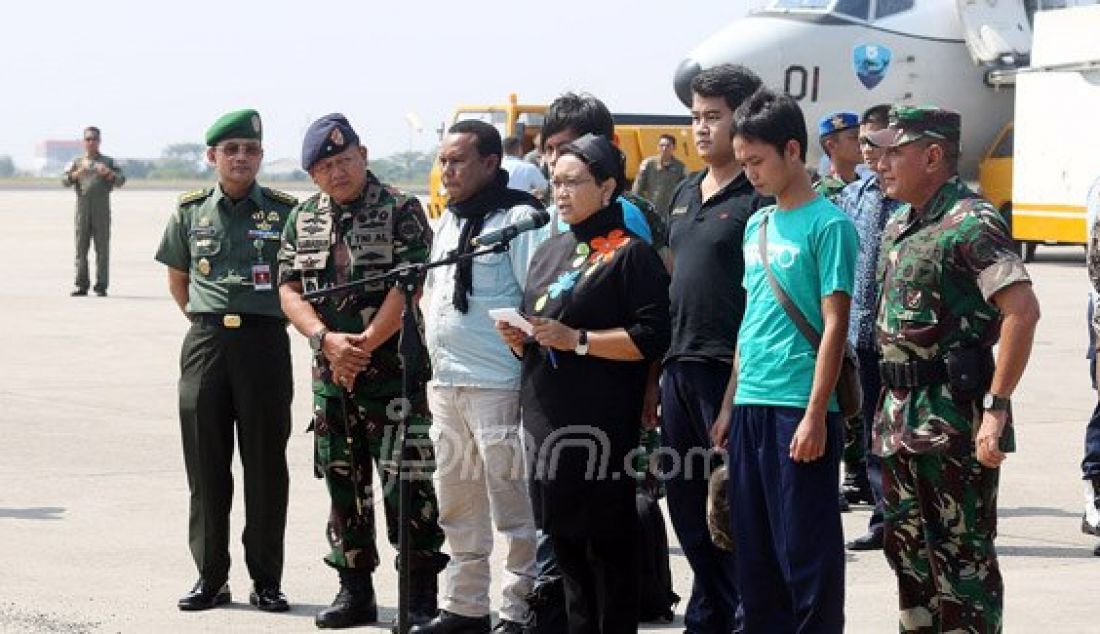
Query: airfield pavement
[[93, 497]]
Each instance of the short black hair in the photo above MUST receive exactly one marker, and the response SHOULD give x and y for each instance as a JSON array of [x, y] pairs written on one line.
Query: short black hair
[[601, 170], [488, 138], [771, 118], [512, 145], [666, 136], [92, 128], [733, 82], [581, 113], [878, 115]]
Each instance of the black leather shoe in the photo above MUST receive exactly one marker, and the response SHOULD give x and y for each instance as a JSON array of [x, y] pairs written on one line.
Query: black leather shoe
[[204, 597], [78, 292], [842, 502], [1096, 551], [450, 623], [869, 541], [268, 599], [100, 293]]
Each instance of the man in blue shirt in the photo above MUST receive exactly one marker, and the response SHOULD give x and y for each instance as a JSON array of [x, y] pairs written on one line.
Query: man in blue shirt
[[784, 428], [868, 207]]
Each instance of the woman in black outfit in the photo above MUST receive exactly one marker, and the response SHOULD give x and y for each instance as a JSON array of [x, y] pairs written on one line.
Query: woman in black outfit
[[597, 297]]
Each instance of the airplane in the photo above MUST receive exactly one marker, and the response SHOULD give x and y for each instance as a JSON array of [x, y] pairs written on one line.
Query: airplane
[[834, 55]]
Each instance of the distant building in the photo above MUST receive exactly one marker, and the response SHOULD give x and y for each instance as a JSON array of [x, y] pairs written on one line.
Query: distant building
[[51, 156]]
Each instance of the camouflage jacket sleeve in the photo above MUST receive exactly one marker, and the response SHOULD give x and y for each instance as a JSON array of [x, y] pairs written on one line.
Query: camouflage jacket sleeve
[[984, 249], [1094, 255], [289, 247], [412, 238]]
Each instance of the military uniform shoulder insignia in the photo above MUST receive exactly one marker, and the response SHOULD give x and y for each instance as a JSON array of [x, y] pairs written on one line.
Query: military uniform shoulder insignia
[[190, 197], [282, 197]]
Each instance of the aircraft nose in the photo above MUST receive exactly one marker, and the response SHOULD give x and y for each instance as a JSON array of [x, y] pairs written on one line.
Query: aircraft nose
[[681, 81]]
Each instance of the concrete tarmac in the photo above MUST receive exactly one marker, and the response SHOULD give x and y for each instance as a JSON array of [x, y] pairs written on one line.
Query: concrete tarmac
[[93, 496]]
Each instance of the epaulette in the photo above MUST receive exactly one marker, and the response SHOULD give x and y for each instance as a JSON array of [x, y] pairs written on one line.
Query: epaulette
[[282, 197], [198, 194]]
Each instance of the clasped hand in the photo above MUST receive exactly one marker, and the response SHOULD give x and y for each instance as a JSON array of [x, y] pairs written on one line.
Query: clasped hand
[[347, 356]]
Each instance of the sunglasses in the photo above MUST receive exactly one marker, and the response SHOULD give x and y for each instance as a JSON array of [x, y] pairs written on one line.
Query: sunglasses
[[91, 138], [233, 149]]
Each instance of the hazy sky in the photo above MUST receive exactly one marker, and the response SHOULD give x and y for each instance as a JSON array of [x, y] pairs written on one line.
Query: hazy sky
[[151, 73]]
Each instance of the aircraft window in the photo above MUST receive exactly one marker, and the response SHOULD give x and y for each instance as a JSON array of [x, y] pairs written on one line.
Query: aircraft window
[[802, 4], [854, 8], [1004, 147], [886, 8]]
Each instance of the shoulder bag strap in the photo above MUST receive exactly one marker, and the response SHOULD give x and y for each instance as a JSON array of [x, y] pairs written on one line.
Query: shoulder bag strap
[[792, 311]]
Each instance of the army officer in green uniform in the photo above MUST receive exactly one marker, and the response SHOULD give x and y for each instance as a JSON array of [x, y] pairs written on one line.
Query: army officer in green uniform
[[221, 247], [354, 228], [92, 177], [951, 286]]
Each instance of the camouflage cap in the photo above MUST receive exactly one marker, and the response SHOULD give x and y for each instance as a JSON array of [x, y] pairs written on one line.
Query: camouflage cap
[[835, 122], [240, 124], [911, 123]]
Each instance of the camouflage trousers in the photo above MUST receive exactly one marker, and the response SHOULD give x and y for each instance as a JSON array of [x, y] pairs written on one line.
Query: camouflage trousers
[[941, 519], [347, 472]]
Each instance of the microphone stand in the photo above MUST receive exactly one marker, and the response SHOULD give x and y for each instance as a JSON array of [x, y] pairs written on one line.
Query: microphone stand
[[406, 278]]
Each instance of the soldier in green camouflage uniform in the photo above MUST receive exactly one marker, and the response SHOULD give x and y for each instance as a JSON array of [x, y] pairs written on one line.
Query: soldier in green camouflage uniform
[[838, 134], [358, 227], [951, 287], [92, 176]]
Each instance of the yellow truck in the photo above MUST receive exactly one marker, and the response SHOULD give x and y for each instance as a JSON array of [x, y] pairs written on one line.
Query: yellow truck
[[635, 134], [1039, 169]]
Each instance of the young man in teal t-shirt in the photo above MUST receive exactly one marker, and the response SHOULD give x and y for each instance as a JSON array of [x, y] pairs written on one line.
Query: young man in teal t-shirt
[[780, 423]]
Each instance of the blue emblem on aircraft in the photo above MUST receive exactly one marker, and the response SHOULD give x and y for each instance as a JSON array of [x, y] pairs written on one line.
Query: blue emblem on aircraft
[[871, 63]]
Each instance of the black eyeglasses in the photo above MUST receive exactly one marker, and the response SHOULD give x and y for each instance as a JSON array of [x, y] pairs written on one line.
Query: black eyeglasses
[[91, 138]]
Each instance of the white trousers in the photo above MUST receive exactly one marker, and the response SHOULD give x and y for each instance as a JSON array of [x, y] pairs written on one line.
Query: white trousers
[[480, 476]]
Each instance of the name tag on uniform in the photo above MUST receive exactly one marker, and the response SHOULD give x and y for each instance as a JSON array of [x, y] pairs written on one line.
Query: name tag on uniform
[[262, 234], [313, 244], [261, 277], [202, 232], [679, 211]]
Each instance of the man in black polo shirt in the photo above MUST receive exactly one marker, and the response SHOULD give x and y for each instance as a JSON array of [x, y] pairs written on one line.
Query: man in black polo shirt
[[706, 225]]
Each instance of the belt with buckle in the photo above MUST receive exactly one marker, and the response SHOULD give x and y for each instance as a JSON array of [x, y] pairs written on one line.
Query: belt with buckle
[[233, 321], [913, 373]]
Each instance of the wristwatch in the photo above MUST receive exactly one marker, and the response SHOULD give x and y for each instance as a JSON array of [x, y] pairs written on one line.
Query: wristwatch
[[993, 403], [317, 339], [582, 343]]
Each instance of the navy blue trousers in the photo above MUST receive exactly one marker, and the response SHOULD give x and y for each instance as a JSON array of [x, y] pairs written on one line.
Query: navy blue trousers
[[1090, 465], [871, 382], [691, 395], [788, 539]]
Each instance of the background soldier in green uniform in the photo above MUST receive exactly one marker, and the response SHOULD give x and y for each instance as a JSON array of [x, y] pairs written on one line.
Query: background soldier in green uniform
[[659, 175], [951, 286], [221, 248], [93, 176], [838, 134], [354, 228]]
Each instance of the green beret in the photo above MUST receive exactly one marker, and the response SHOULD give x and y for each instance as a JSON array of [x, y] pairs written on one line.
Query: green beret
[[241, 124]]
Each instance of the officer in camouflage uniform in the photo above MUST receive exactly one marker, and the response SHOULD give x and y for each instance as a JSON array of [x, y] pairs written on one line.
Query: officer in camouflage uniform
[[220, 247], [92, 176], [354, 228], [838, 134], [951, 287]]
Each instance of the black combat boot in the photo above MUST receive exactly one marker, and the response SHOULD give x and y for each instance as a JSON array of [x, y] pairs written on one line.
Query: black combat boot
[[423, 590], [354, 603], [1090, 520], [856, 487]]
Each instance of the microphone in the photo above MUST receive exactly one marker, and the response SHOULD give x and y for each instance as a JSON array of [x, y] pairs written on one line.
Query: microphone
[[536, 219]]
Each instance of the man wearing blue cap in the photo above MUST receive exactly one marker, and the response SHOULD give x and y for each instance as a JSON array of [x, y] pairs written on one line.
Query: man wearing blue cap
[[220, 247], [839, 136], [355, 228]]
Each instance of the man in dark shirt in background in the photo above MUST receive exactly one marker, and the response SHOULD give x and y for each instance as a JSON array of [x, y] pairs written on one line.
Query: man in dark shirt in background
[[706, 225]]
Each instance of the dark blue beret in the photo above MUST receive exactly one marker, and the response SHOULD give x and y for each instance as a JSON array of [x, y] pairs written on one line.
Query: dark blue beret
[[836, 122], [327, 136]]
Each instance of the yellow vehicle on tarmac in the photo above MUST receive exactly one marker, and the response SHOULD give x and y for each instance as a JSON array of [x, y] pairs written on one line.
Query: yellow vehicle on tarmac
[[635, 134]]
